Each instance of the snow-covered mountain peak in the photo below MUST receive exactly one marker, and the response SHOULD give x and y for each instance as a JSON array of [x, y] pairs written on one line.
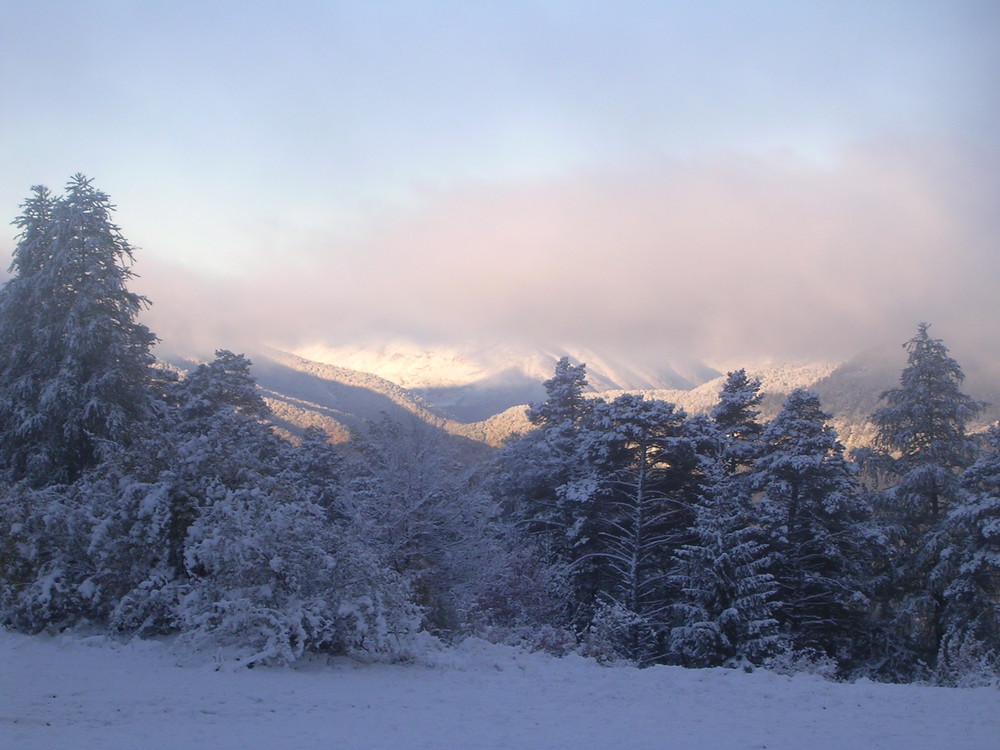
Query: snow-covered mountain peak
[[406, 364], [418, 367]]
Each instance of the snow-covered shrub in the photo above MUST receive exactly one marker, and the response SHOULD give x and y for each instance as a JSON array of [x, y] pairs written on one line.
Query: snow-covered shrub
[[523, 592], [524, 601], [968, 662], [135, 544], [613, 634], [271, 580], [46, 577], [150, 607], [809, 661]]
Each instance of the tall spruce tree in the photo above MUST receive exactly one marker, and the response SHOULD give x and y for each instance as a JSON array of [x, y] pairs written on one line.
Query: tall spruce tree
[[725, 592], [564, 404], [922, 447], [74, 363], [641, 485], [812, 513], [535, 471], [922, 433], [736, 415], [969, 572]]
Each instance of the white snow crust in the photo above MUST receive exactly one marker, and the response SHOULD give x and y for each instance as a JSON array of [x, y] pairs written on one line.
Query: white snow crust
[[77, 692]]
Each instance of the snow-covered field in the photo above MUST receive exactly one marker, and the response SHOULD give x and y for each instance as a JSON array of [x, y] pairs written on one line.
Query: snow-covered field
[[73, 692]]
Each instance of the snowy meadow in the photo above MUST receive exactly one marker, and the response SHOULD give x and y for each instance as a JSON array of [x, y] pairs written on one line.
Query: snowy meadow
[[72, 691]]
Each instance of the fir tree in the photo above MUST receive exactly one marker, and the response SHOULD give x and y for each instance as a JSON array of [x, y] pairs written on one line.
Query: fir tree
[[726, 594], [921, 431], [736, 415], [969, 572], [74, 363], [539, 475], [565, 404], [641, 485], [922, 448], [812, 512]]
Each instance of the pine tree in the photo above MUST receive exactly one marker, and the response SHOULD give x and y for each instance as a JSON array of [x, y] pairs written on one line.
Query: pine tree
[[134, 510], [564, 404], [641, 485], [812, 512], [320, 467], [726, 595], [969, 572], [922, 432], [922, 447], [74, 363], [209, 526], [736, 415], [539, 474]]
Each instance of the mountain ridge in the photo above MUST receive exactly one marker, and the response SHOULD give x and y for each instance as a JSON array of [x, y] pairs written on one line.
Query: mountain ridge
[[340, 399]]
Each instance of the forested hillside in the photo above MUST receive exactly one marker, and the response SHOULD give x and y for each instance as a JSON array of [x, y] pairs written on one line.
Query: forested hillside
[[736, 532]]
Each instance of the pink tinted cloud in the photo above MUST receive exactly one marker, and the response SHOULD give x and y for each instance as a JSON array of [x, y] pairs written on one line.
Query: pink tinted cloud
[[724, 258]]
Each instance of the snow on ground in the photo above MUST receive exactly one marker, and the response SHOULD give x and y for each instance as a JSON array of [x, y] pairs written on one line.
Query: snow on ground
[[74, 692]]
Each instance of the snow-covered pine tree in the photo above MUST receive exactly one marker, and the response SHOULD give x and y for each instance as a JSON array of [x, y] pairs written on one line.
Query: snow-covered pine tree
[[219, 441], [534, 471], [726, 595], [736, 415], [921, 448], [211, 527], [641, 483], [74, 363], [564, 403], [137, 506], [922, 434], [969, 572], [813, 516], [319, 468]]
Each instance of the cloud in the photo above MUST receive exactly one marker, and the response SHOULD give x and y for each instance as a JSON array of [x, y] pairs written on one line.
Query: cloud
[[723, 258]]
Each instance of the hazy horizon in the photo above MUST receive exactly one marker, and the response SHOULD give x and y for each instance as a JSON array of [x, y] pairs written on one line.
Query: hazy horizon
[[721, 182]]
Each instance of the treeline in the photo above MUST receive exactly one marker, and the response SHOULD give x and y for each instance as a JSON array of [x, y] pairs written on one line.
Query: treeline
[[147, 503], [721, 540], [143, 502]]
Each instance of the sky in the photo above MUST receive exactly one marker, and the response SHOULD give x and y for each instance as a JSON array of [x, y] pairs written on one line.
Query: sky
[[714, 179]]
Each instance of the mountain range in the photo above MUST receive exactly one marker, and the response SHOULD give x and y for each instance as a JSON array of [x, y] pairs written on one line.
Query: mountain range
[[479, 395]]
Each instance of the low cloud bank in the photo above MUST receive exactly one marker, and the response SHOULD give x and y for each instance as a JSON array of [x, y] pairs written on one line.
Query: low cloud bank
[[727, 258]]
